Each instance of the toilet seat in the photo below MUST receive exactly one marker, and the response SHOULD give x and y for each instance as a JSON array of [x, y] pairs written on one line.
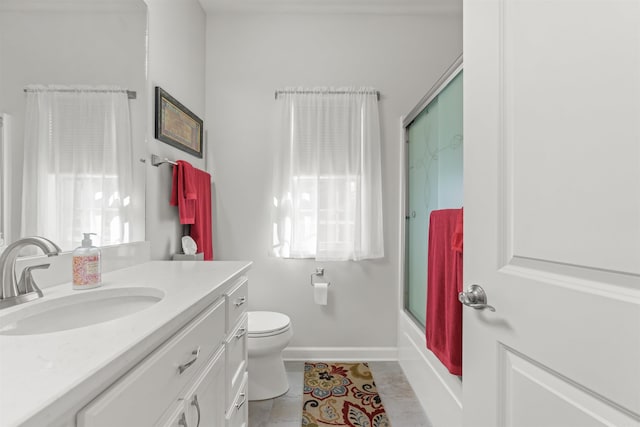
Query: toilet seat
[[267, 323]]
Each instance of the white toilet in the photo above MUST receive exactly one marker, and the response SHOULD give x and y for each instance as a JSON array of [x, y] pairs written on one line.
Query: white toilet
[[269, 333]]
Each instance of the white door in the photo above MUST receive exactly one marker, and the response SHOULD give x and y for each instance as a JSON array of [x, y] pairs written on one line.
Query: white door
[[552, 212]]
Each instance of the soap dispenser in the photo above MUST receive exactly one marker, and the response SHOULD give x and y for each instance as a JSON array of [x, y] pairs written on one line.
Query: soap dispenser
[[87, 268]]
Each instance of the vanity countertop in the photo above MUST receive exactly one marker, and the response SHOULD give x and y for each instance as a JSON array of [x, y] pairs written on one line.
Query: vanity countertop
[[43, 377]]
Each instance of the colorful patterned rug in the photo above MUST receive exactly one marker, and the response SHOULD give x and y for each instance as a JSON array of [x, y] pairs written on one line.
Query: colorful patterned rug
[[341, 394]]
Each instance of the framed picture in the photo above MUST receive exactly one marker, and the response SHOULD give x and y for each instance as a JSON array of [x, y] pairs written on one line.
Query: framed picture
[[177, 125]]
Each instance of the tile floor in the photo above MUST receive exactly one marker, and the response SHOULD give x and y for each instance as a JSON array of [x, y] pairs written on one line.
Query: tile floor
[[398, 398]]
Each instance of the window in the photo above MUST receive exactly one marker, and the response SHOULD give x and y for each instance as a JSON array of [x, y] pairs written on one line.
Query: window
[[327, 187]]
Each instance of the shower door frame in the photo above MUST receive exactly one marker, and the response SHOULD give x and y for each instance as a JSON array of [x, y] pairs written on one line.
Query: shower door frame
[[446, 78], [439, 392]]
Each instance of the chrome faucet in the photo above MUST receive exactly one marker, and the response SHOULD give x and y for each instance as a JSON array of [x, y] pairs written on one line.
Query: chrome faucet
[[14, 291]]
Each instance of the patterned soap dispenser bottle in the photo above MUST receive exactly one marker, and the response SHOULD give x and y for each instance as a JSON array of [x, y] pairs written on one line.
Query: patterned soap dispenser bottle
[[87, 267]]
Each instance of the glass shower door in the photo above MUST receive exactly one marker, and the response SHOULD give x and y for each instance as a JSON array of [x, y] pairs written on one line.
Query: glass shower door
[[422, 193], [434, 181]]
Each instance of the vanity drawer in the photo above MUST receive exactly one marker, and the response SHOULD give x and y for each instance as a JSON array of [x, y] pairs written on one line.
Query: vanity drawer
[[238, 412], [236, 352], [146, 391], [237, 300]]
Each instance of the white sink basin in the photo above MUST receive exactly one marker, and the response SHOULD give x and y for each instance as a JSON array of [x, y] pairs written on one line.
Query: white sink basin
[[78, 310]]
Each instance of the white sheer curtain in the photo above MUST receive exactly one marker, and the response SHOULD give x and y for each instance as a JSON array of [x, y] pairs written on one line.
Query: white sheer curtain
[[327, 200], [77, 174]]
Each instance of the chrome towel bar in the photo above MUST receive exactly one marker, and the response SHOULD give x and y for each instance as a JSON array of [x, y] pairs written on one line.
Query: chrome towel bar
[[157, 161]]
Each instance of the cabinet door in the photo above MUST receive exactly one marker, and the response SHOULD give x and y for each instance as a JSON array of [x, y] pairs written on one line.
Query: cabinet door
[[205, 401], [176, 416]]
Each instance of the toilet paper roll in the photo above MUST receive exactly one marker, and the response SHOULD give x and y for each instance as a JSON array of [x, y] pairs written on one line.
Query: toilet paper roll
[[320, 291]]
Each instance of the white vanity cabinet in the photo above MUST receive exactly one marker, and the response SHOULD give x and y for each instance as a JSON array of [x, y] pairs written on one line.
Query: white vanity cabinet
[[197, 378]]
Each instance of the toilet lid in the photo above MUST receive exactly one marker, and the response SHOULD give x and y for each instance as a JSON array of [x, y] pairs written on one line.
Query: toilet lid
[[267, 322]]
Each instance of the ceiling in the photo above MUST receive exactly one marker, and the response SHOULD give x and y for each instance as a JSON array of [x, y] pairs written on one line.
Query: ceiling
[[334, 6]]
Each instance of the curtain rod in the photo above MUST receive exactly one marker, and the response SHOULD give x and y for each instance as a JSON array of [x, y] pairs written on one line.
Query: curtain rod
[[277, 92], [131, 94]]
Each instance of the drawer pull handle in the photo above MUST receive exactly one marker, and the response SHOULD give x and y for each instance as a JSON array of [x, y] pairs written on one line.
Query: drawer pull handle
[[184, 367], [183, 420], [244, 399], [241, 332], [195, 403], [240, 301]]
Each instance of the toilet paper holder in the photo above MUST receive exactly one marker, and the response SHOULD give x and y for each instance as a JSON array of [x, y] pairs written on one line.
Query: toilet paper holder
[[319, 272]]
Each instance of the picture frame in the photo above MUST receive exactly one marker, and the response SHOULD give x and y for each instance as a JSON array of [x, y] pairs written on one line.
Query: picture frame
[[176, 125]]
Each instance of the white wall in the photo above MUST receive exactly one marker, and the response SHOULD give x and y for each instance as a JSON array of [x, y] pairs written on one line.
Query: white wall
[[68, 43], [177, 64], [250, 56]]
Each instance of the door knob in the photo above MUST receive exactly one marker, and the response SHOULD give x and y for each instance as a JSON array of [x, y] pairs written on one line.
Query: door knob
[[475, 297]]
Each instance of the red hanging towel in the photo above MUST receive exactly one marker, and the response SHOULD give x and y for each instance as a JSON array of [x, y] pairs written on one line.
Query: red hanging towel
[[456, 239], [444, 281], [191, 192], [201, 230], [183, 192]]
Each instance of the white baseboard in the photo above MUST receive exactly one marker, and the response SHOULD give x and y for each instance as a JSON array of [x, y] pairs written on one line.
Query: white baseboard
[[341, 354], [439, 392]]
